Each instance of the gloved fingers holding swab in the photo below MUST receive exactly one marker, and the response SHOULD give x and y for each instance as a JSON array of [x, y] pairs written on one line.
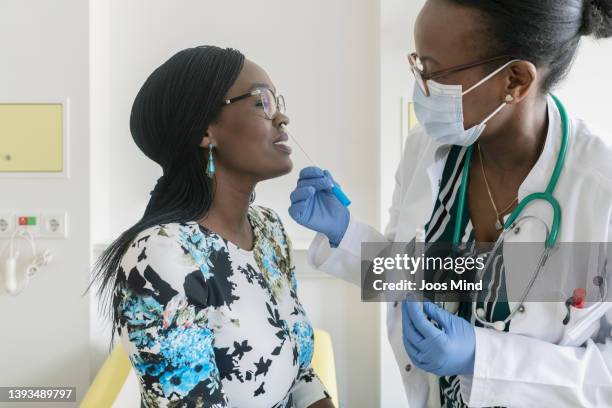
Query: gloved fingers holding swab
[[302, 193], [314, 171], [318, 183]]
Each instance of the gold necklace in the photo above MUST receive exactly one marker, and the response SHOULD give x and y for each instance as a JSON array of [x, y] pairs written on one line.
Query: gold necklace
[[499, 224]]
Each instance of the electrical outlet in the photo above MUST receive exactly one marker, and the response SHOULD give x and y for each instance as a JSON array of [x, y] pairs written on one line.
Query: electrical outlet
[[7, 225], [54, 225]]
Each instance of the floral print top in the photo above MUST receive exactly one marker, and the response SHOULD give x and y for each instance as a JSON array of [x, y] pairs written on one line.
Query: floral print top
[[208, 324]]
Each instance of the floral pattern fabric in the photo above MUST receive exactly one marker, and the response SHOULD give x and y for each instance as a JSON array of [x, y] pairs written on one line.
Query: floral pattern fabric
[[208, 324]]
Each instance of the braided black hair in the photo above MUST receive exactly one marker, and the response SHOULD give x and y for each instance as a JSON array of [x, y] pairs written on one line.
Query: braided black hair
[[169, 118]]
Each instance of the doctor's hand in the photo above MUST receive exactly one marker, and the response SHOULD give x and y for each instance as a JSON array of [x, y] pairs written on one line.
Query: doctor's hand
[[314, 206], [448, 350]]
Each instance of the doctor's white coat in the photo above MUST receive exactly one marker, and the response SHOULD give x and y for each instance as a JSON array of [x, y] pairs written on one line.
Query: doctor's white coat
[[539, 362]]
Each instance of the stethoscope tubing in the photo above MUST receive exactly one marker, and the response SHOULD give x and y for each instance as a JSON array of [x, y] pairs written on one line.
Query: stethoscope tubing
[[547, 195]]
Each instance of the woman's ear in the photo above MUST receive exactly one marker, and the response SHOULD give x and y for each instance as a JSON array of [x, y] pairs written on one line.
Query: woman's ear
[[522, 79], [208, 139]]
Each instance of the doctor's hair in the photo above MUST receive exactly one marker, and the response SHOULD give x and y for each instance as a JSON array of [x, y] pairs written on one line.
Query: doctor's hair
[[170, 116], [545, 32]]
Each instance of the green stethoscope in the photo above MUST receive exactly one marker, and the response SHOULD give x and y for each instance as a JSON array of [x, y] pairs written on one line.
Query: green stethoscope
[[511, 222]]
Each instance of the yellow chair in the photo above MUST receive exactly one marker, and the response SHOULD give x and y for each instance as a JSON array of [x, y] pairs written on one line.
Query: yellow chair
[[110, 379], [323, 363], [105, 388]]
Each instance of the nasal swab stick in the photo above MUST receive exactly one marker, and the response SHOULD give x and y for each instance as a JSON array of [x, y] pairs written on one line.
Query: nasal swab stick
[[337, 191]]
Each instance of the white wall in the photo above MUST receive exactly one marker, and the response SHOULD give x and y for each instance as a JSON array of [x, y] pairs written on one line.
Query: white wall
[[323, 56], [586, 91], [44, 338]]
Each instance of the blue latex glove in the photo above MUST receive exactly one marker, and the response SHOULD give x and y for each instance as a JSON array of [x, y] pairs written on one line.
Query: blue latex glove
[[315, 207], [448, 350]]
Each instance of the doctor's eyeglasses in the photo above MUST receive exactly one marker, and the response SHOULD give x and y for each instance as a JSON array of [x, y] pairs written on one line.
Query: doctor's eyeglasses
[[271, 104], [416, 66]]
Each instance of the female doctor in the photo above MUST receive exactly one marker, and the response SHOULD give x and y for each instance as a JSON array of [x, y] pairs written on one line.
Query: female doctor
[[483, 71]]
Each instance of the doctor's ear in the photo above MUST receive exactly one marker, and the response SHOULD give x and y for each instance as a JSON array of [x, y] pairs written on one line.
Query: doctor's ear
[[521, 80]]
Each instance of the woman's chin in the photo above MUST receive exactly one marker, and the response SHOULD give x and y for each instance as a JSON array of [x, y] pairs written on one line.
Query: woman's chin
[[281, 168], [287, 166]]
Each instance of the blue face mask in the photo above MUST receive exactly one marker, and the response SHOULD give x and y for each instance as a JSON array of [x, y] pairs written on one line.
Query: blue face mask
[[441, 113]]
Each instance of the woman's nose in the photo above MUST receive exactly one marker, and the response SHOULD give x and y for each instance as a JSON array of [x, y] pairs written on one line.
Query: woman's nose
[[281, 118]]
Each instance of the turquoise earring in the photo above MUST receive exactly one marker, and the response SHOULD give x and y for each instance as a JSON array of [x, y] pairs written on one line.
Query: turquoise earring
[[210, 169]]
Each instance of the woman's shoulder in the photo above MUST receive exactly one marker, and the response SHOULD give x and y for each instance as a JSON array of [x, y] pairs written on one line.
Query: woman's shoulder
[[163, 238], [166, 254], [419, 151]]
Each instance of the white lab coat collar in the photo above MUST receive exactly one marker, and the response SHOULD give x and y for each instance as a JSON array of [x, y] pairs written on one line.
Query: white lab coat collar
[[539, 176]]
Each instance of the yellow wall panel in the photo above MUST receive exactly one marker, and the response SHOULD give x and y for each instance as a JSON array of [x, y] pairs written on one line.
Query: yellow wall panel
[[413, 119], [31, 137]]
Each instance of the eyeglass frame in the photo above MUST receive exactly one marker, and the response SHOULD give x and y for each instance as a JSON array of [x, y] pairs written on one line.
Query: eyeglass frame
[[259, 91], [412, 57]]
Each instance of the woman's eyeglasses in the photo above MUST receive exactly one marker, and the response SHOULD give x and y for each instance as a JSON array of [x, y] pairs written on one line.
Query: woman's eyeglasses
[[416, 66], [271, 103]]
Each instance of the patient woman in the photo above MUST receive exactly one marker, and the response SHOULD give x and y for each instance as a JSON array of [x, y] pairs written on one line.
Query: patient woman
[[203, 290]]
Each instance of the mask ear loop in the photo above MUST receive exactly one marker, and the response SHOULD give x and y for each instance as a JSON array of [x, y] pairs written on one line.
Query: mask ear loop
[[491, 75], [500, 107], [509, 97]]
